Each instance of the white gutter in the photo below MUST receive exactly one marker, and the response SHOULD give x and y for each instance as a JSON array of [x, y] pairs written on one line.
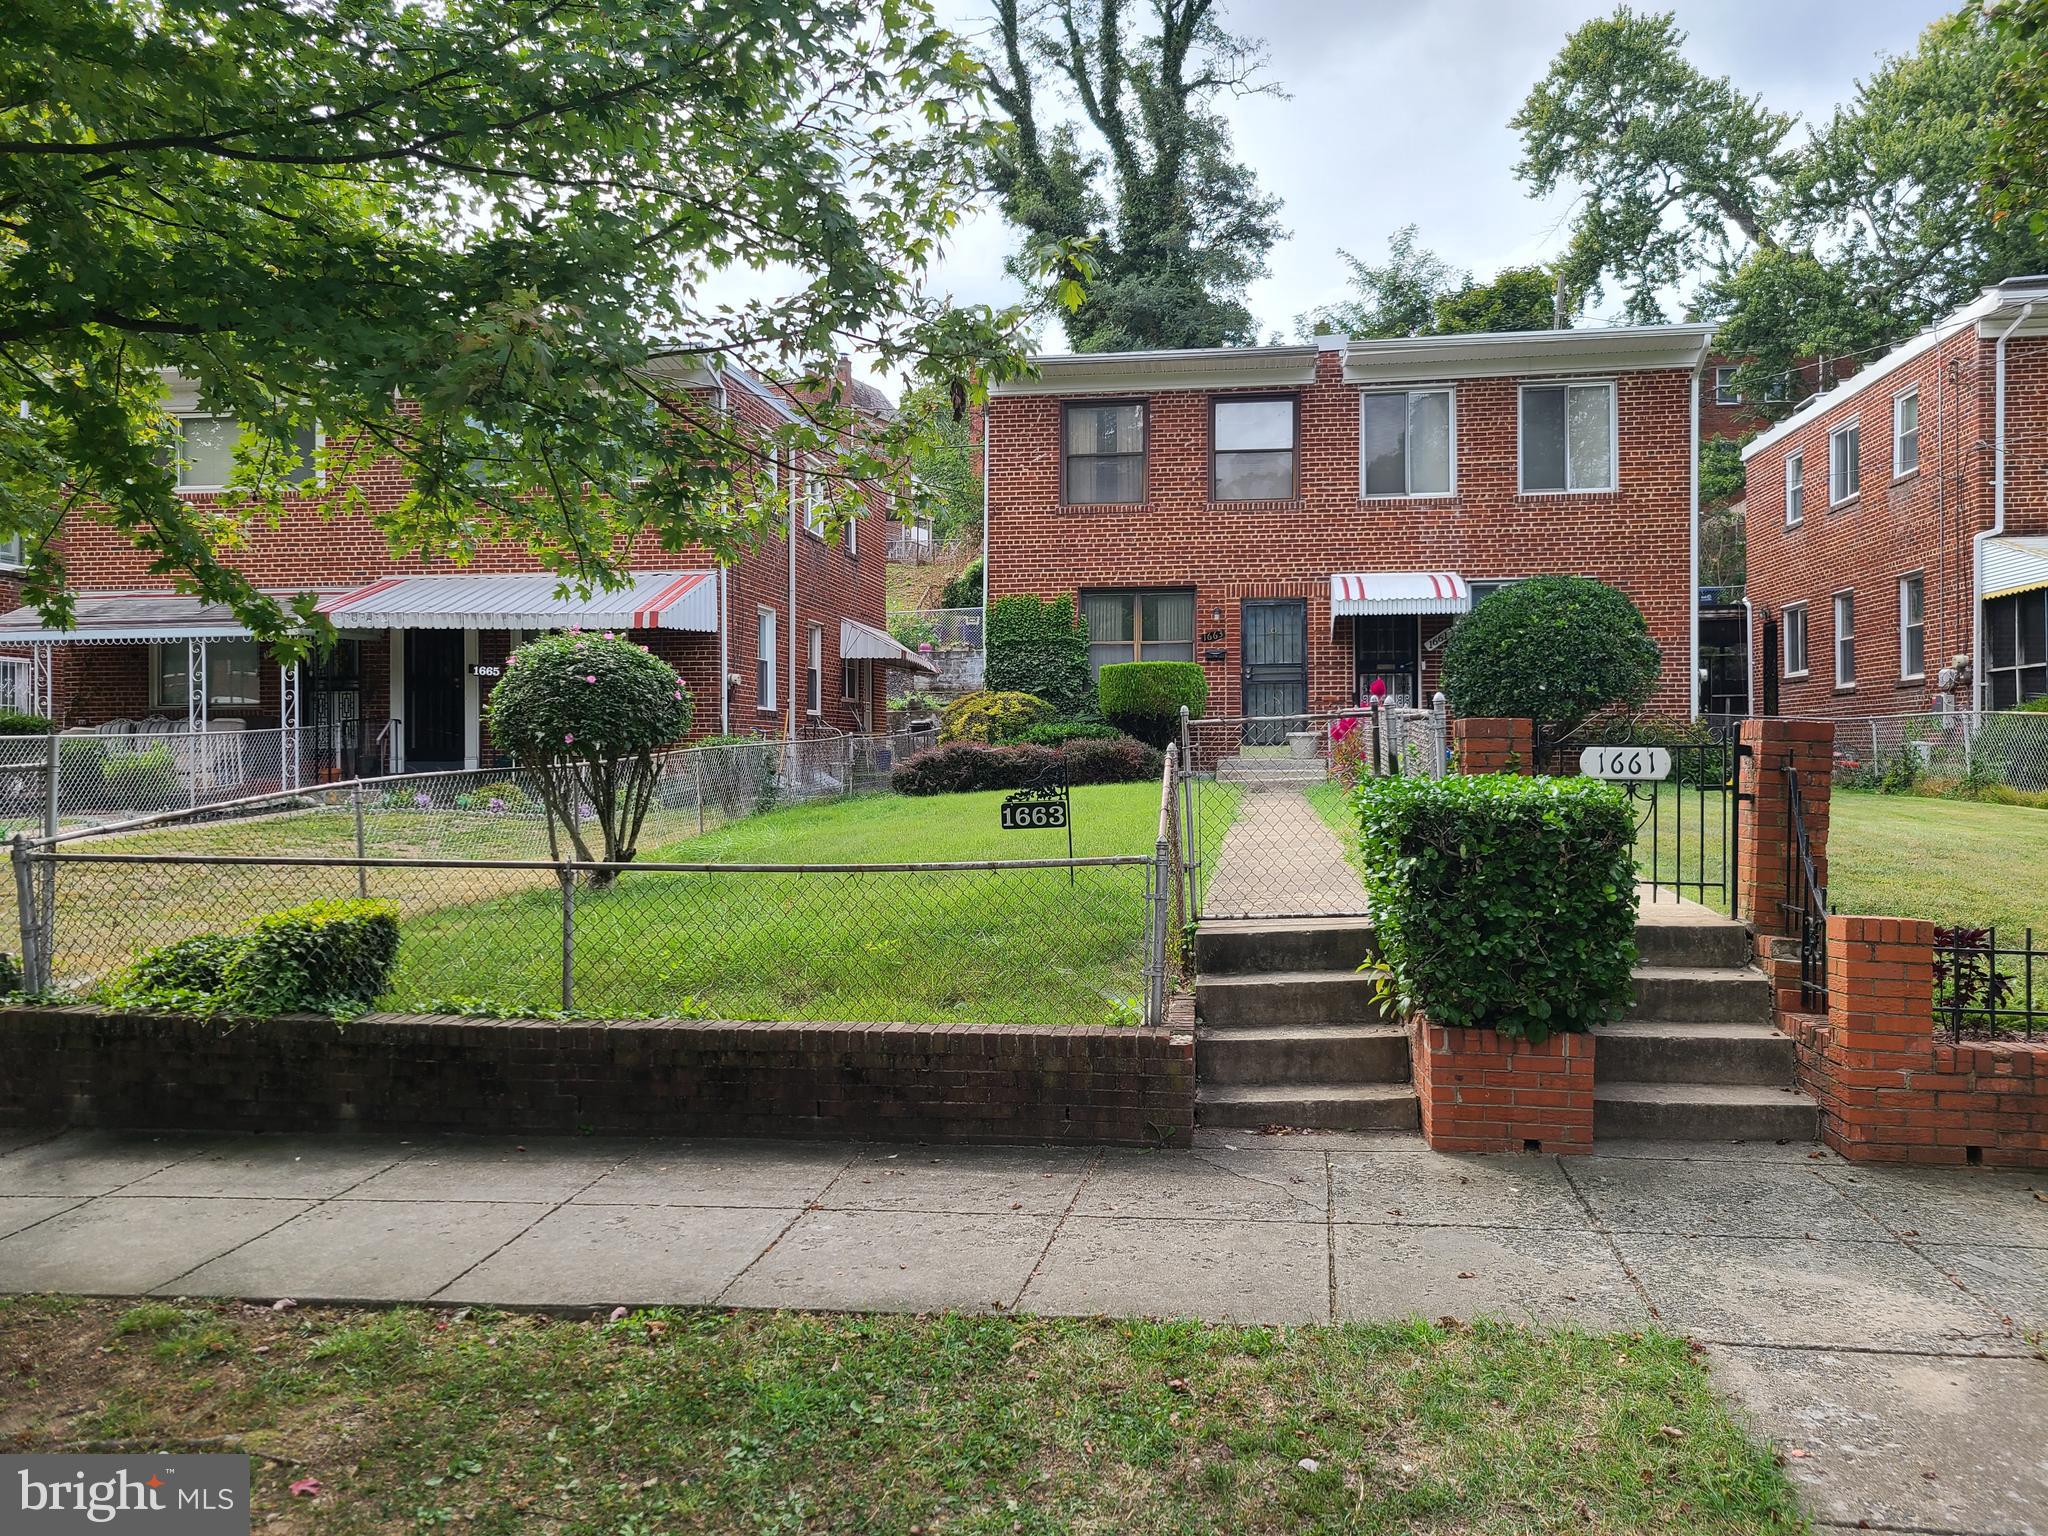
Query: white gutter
[[722, 404], [1753, 693], [789, 677], [1693, 673], [1997, 516]]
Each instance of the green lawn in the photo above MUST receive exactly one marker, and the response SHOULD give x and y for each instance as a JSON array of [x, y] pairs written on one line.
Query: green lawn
[[698, 1422], [1950, 861]]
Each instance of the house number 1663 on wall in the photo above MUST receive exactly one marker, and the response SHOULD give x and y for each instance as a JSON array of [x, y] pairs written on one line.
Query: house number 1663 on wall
[[1625, 763]]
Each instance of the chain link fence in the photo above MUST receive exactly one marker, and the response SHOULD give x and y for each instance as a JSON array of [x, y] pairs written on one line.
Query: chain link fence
[[1953, 751], [495, 918]]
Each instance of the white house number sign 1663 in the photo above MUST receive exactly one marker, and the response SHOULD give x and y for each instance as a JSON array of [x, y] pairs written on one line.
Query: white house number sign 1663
[[1625, 763]]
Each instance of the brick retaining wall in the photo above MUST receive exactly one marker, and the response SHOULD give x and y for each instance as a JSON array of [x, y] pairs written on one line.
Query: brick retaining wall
[[936, 1082], [1491, 745], [1889, 1089]]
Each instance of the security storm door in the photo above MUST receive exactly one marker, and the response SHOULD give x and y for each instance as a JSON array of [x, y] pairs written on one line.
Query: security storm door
[[1275, 666], [433, 698], [1387, 648]]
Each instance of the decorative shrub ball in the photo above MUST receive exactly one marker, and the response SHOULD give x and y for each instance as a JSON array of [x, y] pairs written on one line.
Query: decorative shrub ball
[[992, 716], [587, 695], [1146, 697], [1554, 649]]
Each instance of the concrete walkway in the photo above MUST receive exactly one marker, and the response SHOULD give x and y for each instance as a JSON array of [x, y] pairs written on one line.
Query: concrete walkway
[[1280, 859], [1873, 1321]]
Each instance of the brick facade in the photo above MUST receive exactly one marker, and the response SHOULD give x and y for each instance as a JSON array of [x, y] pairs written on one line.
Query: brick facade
[[1636, 537], [1888, 1089], [311, 549], [950, 1082], [1482, 1092], [1920, 523]]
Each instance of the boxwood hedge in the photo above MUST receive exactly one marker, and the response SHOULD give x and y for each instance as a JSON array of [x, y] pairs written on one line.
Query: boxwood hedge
[[1501, 900]]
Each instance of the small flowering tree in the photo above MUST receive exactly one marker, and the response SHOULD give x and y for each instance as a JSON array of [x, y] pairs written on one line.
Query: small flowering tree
[[585, 713]]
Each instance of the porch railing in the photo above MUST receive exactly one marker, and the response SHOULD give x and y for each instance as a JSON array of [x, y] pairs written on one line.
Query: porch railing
[[1805, 904]]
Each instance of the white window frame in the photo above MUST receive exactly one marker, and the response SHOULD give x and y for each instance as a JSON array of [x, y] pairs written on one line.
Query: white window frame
[[1901, 469], [1613, 436], [851, 675], [1805, 667], [1835, 435], [764, 659], [18, 685], [1795, 488], [1845, 636], [180, 462], [814, 669], [13, 555], [1724, 386], [816, 493], [1407, 467], [1917, 579]]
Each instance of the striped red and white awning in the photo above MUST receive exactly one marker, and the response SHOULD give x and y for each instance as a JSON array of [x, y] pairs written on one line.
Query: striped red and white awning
[[649, 600], [1399, 592]]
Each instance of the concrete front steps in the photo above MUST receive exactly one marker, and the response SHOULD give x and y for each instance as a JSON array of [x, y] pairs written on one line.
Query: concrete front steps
[[1287, 1032], [1281, 769], [1697, 1058]]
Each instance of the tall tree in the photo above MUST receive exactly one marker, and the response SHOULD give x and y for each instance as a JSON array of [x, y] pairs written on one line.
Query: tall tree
[[473, 236], [945, 466], [1174, 223], [1848, 242], [1415, 292], [2016, 164]]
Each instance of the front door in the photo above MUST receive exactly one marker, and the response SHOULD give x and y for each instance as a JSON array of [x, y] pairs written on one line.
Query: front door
[[1774, 663], [1275, 668], [433, 698], [1387, 648]]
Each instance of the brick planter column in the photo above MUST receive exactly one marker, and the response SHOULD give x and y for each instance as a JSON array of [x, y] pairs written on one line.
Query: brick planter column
[[1493, 745], [1766, 818], [1482, 1092]]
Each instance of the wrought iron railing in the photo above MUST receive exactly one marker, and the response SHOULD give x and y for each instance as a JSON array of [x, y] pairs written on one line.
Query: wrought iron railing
[[1984, 989], [1805, 904]]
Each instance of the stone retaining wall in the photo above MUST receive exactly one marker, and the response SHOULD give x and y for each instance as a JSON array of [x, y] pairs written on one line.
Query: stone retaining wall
[[937, 1082]]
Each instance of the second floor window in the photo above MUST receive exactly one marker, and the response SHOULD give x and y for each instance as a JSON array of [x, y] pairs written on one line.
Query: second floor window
[[1906, 433], [1845, 472], [1105, 453], [817, 494], [1252, 449], [1405, 443], [1568, 437], [1724, 387], [1795, 489]]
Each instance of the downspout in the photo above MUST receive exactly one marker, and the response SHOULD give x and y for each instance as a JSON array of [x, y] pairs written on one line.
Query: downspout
[[1693, 619], [1750, 666], [789, 677], [1997, 514]]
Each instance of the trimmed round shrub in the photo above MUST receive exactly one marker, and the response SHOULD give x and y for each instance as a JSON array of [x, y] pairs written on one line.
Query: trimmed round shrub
[[1554, 649], [585, 712], [1125, 760], [14, 722], [993, 716], [1040, 648], [1501, 900], [1145, 698]]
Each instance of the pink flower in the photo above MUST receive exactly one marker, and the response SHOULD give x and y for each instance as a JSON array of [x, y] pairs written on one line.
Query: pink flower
[[609, 635], [679, 693], [1379, 688], [569, 737], [575, 629], [590, 677]]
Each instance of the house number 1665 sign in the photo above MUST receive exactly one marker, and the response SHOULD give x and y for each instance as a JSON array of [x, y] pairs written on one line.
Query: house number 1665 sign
[[1629, 764]]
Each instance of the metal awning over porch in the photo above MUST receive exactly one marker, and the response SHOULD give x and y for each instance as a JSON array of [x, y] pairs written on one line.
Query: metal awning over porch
[[686, 600], [123, 618], [863, 642], [2014, 563], [1374, 592]]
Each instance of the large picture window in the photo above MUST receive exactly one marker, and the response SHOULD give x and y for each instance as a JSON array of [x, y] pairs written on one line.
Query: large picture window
[[232, 668], [1138, 626], [2016, 645], [1405, 443], [1252, 454], [206, 452], [1568, 437], [1105, 453]]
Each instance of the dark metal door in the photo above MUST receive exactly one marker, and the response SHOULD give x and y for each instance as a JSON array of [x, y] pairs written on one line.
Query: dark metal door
[[1773, 665], [1387, 648], [433, 698], [1275, 667]]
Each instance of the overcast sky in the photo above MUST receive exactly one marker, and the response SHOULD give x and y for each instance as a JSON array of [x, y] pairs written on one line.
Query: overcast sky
[[1397, 113]]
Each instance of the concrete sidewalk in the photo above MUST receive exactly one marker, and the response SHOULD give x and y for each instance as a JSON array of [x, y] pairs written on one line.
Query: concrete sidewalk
[[1873, 1321]]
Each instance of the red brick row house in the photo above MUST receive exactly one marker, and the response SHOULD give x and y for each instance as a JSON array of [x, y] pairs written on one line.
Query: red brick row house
[[1303, 520], [789, 638], [1897, 526]]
